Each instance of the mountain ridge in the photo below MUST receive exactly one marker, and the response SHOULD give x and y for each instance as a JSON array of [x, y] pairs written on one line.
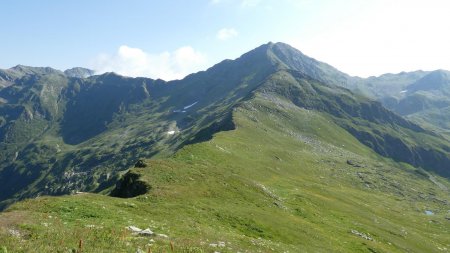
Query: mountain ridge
[[267, 152], [47, 108]]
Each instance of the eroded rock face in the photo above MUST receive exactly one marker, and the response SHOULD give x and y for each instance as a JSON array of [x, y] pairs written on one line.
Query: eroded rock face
[[130, 186]]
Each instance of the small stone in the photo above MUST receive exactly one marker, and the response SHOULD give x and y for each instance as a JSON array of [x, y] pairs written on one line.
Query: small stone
[[146, 232], [134, 229], [353, 163], [163, 235], [355, 232]]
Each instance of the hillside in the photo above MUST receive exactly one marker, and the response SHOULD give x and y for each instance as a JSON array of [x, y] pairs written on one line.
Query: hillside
[[268, 152], [286, 179]]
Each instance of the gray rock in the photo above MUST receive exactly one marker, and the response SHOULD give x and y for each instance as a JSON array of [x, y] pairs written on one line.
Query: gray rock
[[146, 232], [360, 234]]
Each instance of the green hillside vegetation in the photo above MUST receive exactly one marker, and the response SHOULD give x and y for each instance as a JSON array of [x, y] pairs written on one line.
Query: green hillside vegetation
[[286, 179], [436, 118], [378, 128], [265, 153]]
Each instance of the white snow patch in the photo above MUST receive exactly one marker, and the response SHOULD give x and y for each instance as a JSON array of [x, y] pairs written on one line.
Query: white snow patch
[[171, 132], [189, 106], [403, 91]]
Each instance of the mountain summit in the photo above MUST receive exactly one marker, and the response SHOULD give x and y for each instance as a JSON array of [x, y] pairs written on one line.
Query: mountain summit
[[79, 72], [287, 57]]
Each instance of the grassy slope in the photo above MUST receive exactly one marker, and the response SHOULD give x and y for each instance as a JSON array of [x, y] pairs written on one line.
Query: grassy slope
[[436, 119], [279, 182], [383, 131]]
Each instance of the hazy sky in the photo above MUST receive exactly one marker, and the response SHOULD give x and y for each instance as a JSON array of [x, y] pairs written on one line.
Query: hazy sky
[[170, 39]]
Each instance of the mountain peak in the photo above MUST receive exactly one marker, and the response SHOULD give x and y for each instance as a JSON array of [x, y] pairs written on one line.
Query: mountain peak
[[79, 72], [28, 70], [435, 80], [286, 57], [440, 73]]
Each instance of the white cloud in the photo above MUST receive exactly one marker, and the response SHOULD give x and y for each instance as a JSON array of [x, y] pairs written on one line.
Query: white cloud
[[135, 62], [226, 33]]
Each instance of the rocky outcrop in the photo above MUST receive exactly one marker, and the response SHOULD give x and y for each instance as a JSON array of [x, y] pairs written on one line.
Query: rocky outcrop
[[130, 186]]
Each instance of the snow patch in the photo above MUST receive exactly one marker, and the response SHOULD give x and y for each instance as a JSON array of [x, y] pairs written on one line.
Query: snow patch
[[189, 106], [403, 91], [171, 132]]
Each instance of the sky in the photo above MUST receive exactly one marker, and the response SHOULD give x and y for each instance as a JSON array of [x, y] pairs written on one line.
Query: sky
[[173, 38]]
